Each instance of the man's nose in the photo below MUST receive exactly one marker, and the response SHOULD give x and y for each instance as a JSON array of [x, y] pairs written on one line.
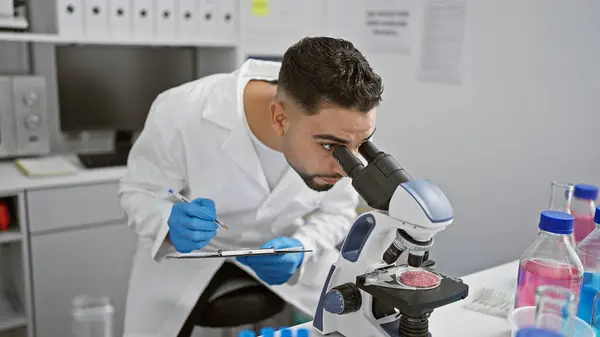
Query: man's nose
[[337, 168]]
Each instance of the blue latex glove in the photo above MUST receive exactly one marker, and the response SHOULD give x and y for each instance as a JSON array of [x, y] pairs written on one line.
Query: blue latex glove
[[192, 225], [275, 269]]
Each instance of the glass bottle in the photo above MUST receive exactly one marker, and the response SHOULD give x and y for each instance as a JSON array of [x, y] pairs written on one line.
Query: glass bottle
[[92, 316], [561, 194], [555, 309], [550, 260], [589, 254], [583, 207]]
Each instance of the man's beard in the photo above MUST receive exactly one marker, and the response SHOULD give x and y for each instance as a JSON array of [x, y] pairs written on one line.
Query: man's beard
[[309, 180]]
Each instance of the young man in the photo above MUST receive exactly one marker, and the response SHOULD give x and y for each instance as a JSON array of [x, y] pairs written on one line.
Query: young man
[[252, 148]]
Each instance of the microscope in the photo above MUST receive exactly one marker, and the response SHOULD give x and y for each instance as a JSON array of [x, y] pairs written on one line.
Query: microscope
[[365, 293]]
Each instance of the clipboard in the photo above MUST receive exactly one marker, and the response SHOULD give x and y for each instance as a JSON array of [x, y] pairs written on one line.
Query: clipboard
[[237, 253]]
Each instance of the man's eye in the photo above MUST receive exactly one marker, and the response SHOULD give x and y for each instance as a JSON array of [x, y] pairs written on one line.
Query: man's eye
[[328, 147]]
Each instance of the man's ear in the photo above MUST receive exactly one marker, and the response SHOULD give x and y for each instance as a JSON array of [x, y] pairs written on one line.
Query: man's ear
[[279, 119]]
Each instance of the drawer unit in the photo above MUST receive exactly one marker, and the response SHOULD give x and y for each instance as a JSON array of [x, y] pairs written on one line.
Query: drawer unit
[[73, 206]]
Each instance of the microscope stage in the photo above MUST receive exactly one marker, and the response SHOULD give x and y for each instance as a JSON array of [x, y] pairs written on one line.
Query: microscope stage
[[417, 302]]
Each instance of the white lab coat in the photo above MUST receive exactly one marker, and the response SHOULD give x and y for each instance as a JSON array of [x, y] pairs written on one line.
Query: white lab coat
[[196, 140]]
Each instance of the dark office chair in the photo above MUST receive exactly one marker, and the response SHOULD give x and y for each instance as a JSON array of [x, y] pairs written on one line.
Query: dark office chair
[[234, 299]]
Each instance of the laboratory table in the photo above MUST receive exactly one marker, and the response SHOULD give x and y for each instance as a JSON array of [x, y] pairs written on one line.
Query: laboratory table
[[454, 320]]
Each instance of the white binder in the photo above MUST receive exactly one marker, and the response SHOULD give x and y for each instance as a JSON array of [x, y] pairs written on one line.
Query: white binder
[[207, 23], [96, 18], [119, 17], [69, 18], [227, 19], [143, 18], [187, 20], [166, 18]]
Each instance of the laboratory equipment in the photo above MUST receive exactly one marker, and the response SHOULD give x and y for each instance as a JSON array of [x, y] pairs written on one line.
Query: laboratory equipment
[[111, 88], [267, 332], [92, 316], [524, 318], [561, 194], [363, 294], [583, 207], [270, 332], [555, 309], [589, 254], [550, 260], [537, 332], [23, 116]]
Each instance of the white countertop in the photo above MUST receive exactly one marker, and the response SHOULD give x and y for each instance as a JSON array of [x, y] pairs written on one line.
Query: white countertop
[[12, 180], [453, 320]]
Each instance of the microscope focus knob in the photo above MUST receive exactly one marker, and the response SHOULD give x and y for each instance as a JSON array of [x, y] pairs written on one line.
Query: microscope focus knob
[[343, 299]]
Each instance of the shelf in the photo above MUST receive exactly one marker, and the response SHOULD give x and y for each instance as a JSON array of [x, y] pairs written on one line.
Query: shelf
[[11, 235], [12, 322], [128, 41]]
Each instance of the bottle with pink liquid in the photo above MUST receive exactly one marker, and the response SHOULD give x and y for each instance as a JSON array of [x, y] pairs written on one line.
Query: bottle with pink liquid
[[550, 260], [583, 207]]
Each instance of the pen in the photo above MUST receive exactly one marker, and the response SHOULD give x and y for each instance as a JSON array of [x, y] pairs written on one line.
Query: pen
[[184, 199]]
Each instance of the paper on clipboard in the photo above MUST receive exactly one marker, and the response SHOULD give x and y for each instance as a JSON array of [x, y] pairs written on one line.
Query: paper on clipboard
[[238, 252]]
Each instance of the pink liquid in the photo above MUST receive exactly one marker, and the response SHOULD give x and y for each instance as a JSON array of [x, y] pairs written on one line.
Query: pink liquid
[[534, 273], [584, 225]]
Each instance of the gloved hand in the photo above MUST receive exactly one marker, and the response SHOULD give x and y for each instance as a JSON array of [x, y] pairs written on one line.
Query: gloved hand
[[192, 225], [275, 269]]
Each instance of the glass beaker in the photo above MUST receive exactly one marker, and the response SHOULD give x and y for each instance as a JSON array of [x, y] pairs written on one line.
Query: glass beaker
[[555, 309], [92, 316], [561, 194]]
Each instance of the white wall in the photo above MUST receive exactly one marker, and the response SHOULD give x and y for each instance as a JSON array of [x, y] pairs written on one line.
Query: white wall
[[526, 114]]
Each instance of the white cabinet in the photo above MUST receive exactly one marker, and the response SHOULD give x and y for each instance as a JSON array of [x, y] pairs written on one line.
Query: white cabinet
[[15, 297], [93, 260], [64, 241], [72, 206]]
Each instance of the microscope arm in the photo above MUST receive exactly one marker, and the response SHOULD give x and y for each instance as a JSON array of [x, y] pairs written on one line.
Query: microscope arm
[[419, 206]]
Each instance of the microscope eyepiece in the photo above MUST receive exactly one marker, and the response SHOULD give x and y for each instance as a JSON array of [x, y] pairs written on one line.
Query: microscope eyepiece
[[369, 151], [350, 164]]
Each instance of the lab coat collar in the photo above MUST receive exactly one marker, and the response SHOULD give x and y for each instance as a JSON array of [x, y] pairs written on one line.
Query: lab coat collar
[[250, 70], [239, 144]]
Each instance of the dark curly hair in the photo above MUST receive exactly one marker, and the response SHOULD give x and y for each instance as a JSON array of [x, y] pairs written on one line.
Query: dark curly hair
[[320, 70]]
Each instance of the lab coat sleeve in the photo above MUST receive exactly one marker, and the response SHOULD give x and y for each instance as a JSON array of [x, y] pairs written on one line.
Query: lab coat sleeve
[[155, 165], [327, 226]]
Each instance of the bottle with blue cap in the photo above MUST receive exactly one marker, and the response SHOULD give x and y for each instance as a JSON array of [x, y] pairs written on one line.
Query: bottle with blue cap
[[550, 260], [588, 251], [583, 207]]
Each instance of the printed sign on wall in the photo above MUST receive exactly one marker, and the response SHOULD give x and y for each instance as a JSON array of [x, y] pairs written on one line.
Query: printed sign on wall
[[387, 25]]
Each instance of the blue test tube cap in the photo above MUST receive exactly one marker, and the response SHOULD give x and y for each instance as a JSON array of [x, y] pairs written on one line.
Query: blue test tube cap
[[267, 332], [302, 332], [247, 333], [286, 333]]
